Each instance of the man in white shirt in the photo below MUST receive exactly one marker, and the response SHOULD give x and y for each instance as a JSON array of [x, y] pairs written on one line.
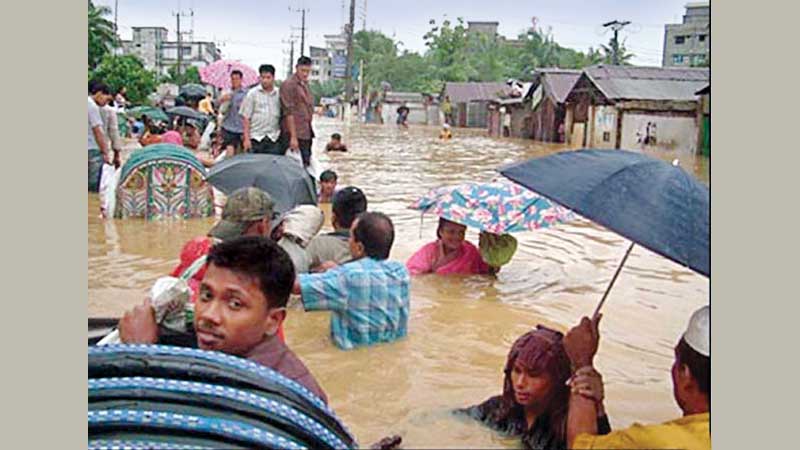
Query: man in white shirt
[[99, 95], [261, 112]]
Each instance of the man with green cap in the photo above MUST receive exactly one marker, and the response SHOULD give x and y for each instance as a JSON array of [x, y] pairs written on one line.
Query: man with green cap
[[691, 386], [248, 212]]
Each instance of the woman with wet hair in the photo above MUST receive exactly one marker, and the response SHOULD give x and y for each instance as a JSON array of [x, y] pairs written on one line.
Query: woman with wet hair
[[535, 398]]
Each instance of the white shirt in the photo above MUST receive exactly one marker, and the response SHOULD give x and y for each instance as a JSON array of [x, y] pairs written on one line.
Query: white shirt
[[263, 110], [95, 120]]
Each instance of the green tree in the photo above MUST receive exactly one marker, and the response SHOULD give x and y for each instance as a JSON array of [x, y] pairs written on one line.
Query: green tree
[[190, 75], [447, 50], [128, 71], [623, 56], [330, 88], [102, 36]]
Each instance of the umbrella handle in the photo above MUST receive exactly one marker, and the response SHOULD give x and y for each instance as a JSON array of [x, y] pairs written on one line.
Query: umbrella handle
[[611, 284]]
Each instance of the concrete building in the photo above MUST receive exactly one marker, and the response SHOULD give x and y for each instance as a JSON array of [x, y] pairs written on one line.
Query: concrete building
[[687, 44], [320, 64], [157, 53], [489, 28], [336, 45], [629, 107]]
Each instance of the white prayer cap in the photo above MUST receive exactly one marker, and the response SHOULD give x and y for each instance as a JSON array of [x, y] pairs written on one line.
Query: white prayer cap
[[697, 334]]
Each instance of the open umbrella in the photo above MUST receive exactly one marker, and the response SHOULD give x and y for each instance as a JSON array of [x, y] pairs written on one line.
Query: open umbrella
[[281, 177], [151, 112], [218, 73], [648, 201], [192, 90], [189, 113], [498, 207]]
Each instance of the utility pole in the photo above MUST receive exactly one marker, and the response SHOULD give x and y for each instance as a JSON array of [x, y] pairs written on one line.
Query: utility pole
[[116, 8], [364, 17], [360, 89], [291, 60], [303, 12], [348, 93], [180, 41], [615, 25]]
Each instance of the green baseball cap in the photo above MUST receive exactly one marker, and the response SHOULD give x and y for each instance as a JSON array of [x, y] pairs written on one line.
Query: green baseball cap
[[244, 206]]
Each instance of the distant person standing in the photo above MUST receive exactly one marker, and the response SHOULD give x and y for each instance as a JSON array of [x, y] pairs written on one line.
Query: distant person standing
[[111, 130], [298, 107], [261, 111], [206, 106], [447, 110], [120, 99], [99, 96], [232, 126]]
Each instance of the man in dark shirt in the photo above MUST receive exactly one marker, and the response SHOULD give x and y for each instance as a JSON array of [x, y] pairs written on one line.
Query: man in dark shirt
[[241, 305], [298, 109]]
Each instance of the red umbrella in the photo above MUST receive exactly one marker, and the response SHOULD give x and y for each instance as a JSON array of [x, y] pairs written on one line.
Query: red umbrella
[[218, 74]]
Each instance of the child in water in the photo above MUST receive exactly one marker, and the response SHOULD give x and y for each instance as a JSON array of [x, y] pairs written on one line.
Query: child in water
[[335, 144], [445, 134]]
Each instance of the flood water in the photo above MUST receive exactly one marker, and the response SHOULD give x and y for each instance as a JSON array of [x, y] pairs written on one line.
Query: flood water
[[461, 328]]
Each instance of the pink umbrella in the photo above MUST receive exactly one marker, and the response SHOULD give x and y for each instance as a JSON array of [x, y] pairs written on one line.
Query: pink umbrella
[[218, 74]]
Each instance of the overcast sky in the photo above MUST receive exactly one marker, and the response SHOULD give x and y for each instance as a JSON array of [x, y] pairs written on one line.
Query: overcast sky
[[257, 32]]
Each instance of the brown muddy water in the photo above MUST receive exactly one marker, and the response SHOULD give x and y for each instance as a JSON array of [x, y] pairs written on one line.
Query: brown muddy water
[[461, 328]]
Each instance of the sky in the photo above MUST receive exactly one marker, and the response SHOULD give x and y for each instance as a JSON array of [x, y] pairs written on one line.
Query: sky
[[258, 32]]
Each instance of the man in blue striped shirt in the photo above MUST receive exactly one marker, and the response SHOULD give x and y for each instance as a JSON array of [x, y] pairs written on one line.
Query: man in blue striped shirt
[[369, 295]]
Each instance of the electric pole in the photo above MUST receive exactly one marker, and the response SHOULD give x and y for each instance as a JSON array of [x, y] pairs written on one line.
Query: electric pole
[[615, 25], [291, 60], [116, 7], [303, 12], [180, 41], [348, 93], [364, 17]]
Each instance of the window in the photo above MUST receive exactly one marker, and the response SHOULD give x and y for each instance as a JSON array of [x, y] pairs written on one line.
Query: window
[[606, 136], [680, 40], [701, 37], [186, 51], [677, 59]]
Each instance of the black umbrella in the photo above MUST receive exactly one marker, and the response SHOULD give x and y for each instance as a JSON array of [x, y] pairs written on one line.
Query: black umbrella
[[192, 90], [283, 178], [185, 111], [653, 203]]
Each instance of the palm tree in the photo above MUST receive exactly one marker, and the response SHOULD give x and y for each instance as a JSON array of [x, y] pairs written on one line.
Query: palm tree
[[102, 35], [623, 57]]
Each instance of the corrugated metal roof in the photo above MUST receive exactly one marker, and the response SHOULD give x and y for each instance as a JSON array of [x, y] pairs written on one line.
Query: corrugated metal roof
[[474, 91], [399, 97], [704, 91], [560, 83], [648, 83]]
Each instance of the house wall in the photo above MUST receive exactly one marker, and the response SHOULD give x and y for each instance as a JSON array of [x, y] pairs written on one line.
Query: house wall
[[519, 124], [477, 113], [604, 127], [675, 133]]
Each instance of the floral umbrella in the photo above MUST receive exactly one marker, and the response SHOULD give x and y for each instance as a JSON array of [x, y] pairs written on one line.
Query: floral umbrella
[[498, 207], [218, 74]]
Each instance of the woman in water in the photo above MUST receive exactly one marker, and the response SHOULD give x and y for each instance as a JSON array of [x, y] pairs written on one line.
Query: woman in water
[[535, 397], [449, 254]]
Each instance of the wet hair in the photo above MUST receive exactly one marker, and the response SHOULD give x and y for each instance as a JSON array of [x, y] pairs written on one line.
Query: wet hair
[[238, 72], [266, 68], [348, 203], [336, 136], [328, 175], [699, 366], [304, 61], [442, 223], [375, 232], [96, 86], [260, 259], [540, 351]]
